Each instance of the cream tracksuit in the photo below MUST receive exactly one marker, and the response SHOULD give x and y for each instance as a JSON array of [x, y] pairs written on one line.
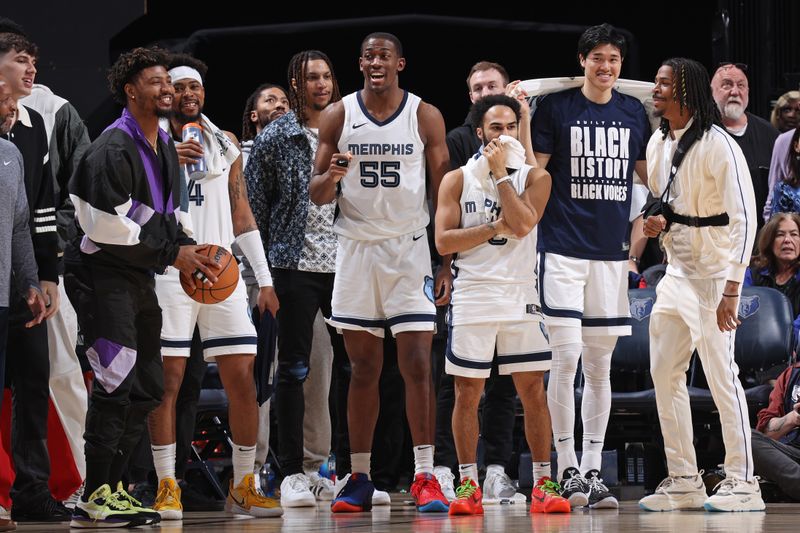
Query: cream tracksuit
[[712, 179]]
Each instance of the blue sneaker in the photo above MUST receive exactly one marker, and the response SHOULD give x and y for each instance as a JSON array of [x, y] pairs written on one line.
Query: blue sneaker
[[355, 496]]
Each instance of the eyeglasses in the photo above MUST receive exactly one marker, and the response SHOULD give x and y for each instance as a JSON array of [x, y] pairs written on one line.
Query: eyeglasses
[[729, 64]]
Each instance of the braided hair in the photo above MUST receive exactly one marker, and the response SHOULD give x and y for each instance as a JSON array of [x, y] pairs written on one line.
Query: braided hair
[[297, 72], [248, 126], [691, 87]]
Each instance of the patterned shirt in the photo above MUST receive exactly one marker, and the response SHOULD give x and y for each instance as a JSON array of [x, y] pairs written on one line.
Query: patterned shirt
[[296, 234]]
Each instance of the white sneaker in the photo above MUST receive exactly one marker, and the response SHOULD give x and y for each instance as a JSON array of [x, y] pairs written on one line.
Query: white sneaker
[[70, 502], [734, 494], [684, 492], [320, 487], [498, 488], [445, 478], [379, 497], [4, 514], [295, 492]]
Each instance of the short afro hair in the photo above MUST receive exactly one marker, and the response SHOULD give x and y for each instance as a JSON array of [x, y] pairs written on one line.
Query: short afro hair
[[129, 65], [185, 60], [398, 46], [482, 106]]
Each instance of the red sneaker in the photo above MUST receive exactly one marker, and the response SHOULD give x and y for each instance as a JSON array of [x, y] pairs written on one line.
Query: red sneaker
[[428, 495], [468, 498], [547, 498]]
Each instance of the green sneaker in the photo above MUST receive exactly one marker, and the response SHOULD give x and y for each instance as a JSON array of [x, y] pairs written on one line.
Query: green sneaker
[[152, 516], [105, 509]]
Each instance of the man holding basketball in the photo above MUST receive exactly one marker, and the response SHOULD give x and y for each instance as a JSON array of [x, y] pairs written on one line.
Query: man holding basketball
[[220, 214]]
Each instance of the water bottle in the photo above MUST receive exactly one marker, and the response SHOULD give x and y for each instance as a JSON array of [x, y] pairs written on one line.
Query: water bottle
[[328, 469], [269, 489], [193, 130]]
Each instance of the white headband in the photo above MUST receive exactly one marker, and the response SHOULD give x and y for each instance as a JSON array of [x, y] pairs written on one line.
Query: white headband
[[184, 72]]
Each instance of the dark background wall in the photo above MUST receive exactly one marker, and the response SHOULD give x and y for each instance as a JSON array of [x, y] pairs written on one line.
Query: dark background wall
[[246, 43]]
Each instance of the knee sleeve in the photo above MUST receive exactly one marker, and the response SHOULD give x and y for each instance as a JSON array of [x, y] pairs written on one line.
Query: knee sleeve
[[294, 373]]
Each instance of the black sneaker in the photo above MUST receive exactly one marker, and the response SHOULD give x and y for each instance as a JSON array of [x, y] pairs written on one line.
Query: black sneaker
[[575, 488], [145, 492], [599, 495], [45, 509], [194, 500]]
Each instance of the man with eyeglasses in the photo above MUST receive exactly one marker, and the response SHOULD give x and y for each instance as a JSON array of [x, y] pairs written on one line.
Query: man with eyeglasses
[[754, 135]]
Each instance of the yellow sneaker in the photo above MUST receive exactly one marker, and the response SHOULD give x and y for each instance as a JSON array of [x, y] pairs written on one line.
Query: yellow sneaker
[[168, 500], [245, 499]]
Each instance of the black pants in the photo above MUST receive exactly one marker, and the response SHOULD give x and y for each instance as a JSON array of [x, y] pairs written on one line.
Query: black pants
[[777, 462], [120, 320], [301, 295], [28, 372], [497, 422]]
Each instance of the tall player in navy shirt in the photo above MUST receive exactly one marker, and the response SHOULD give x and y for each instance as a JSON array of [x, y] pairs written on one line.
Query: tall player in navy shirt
[[589, 139]]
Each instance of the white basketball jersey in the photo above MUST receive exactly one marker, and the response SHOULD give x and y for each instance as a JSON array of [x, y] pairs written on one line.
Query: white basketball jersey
[[496, 280], [383, 193], [210, 209]]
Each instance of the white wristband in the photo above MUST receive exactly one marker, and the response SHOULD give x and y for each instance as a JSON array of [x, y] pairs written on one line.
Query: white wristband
[[250, 244], [501, 180]]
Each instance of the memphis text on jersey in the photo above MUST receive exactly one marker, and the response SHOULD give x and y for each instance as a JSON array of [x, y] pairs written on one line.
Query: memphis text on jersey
[[381, 149], [599, 160]]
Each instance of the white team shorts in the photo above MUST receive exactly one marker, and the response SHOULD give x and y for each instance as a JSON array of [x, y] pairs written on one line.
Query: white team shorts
[[381, 283], [585, 292], [521, 347], [225, 327]]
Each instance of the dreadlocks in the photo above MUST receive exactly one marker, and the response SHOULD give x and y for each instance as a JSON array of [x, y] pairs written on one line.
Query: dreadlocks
[[691, 87], [297, 90], [248, 126]]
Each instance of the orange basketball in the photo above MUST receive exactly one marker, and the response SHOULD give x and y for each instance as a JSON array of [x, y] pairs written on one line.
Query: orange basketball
[[227, 272]]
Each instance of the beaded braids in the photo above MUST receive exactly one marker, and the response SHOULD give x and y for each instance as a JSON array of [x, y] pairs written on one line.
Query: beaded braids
[[691, 87], [297, 72]]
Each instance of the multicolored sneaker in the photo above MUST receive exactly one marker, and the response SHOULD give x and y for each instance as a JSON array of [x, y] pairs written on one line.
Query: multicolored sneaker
[[122, 495], [245, 499], [468, 498], [546, 496], [599, 495], [105, 509], [355, 496], [428, 495], [168, 500], [575, 488]]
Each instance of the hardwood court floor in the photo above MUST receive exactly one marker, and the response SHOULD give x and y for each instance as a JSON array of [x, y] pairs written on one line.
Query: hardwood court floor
[[401, 518]]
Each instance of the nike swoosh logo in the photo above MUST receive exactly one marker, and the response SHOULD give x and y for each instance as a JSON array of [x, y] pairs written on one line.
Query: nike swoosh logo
[[595, 441], [356, 126], [239, 503], [565, 438], [6, 163], [418, 237]]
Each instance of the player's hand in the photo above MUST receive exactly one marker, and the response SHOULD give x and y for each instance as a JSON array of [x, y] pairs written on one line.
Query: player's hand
[[51, 297], [189, 261], [338, 167], [502, 228], [442, 285], [654, 225], [495, 154], [267, 299], [727, 313], [189, 152], [36, 304], [516, 92]]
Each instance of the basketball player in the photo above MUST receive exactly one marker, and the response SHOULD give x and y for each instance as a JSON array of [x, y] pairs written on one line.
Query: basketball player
[[709, 216], [383, 276], [220, 214], [589, 139], [487, 211]]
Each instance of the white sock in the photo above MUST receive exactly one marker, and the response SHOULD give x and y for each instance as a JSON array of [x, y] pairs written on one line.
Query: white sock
[[468, 471], [540, 470], [164, 461], [596, 405], [359, 463], [566, 345], [423, 459], [244, 460]]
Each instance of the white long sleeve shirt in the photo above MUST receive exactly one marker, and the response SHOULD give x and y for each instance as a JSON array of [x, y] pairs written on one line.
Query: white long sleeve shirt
[[712, 179]]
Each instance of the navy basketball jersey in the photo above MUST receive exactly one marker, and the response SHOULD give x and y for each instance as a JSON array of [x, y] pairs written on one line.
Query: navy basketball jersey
[[593, 149], [383, 193]]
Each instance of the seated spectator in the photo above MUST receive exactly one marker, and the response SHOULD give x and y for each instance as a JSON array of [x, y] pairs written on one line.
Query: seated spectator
[[785, 184], [786, 113], [776, 439], [776, 263]]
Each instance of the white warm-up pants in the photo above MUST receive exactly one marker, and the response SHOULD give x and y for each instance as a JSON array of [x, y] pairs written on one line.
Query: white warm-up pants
[[684, 316], [67, 388]]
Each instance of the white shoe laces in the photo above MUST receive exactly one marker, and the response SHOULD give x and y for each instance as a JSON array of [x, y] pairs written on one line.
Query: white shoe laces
[[596, 484], [445, 478], [299, 483], [575, 482], [502, 482]]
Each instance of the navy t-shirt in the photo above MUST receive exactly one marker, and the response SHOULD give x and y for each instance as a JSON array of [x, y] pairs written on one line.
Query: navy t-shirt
[[593, 149]]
